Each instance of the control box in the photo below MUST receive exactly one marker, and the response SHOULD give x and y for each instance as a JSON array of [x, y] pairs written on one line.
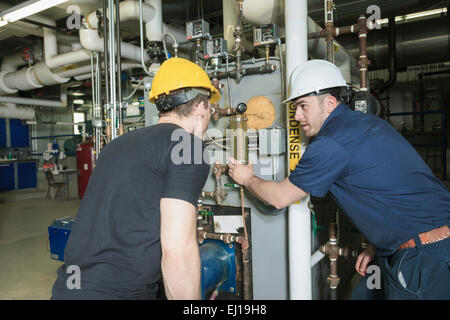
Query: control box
[[265, 35], [215, 48], [58, 234], [198, 29]]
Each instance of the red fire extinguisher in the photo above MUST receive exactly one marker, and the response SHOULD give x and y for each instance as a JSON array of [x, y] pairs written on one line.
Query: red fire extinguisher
[[85, 165]]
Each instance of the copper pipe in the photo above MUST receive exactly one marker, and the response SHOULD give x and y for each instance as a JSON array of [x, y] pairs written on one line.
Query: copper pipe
[[347, 29], [363, 61], [218, 112], [243, 216], [329, 30], [224, 237], [246, 274], [119, 67], [108, 133], [316, 35], [245, 257], [267, 53], [219, 169], [219, 195], [332, 250]]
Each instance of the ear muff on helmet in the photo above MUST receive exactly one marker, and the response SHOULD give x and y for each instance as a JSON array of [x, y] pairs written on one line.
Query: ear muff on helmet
[[168, 102], [340, 93]]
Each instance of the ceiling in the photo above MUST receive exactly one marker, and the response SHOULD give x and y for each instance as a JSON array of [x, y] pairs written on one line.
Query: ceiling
[[177, 12]]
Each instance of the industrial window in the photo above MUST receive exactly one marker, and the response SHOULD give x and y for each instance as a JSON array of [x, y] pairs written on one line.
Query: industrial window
[[77, 118]]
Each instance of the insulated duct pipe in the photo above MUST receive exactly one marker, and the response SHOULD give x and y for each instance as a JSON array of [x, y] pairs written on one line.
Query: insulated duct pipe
[[129, 10], [30, 78], [151, 15], [257, 12], [90, 40], [35, 102], [10, 110], [299, 220], [154, 27], [13, 62], [52, 58], [87, 68]]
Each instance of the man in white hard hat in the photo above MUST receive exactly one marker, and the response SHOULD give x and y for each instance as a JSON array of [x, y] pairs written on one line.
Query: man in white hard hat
[[375, 176]]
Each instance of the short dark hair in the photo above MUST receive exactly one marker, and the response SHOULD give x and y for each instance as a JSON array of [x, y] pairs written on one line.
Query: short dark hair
[[185, 110]]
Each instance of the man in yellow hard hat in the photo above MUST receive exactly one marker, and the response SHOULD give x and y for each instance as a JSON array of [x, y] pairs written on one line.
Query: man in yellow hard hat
[[138, 216]]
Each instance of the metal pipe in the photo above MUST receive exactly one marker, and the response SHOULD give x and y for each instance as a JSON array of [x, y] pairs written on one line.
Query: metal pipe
[[225, 237], [245, 254], [35, 102], [266, 68], [106, 62], [363, 61], [418, 42], [112, 73], [392, 56], [119, 70], [329, 28], [98, 111], [93, 87], [237, 47], [141, 37]]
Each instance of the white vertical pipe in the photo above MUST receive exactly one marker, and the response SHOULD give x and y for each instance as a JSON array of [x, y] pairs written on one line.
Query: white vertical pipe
[[112, 68], [299, 220], [154, 28]]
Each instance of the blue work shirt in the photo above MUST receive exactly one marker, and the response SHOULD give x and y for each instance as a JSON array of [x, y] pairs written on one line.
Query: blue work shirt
[[376, 178]]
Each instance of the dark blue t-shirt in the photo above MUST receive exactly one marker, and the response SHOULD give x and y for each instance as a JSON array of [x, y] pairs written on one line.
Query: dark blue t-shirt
[[376, 178], [115, 240]]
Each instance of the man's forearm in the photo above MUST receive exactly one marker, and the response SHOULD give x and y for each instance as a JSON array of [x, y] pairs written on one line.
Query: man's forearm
[[181, 272], [264, 190]]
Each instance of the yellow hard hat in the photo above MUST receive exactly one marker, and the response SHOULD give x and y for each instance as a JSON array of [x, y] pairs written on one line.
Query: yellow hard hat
[[177, 73]]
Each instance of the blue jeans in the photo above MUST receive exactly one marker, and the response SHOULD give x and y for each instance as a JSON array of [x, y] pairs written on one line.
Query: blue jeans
[[419, 273]]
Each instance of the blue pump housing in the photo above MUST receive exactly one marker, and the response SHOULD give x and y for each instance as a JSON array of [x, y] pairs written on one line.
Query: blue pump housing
[[218, 266]]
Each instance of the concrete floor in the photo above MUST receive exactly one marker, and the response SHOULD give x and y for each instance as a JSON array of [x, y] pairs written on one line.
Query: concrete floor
[[27, 271]]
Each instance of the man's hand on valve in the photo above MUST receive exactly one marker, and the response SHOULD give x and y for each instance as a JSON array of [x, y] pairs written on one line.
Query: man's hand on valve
[[239, 172]]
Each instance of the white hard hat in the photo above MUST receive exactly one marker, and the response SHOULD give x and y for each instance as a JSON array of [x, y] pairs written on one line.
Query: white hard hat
[[313, 76]]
